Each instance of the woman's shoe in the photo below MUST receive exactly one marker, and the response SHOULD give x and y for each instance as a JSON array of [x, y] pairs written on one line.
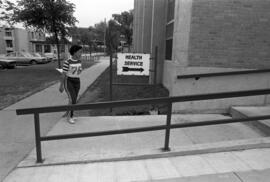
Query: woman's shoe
[[71, 120]]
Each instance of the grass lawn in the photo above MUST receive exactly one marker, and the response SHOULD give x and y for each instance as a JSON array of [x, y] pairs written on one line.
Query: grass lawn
[[23, 81], [99, 91]]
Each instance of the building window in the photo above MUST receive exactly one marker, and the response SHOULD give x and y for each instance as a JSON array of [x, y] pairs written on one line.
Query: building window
[[170, 10], [8, 34], [11, 54], [169, 41], [38, 48], [9, 43], [169, 29], [169, 45], [47, 48]]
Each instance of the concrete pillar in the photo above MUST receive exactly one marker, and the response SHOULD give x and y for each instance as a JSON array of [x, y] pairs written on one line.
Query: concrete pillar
[[138, 22], [149, 31], [140, 25], [143, 22], [158, 36], [182, 19], [135, 25], [147, 26]]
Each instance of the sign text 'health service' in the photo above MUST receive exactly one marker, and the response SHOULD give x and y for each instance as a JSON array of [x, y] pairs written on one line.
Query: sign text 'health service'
[[133, 64]]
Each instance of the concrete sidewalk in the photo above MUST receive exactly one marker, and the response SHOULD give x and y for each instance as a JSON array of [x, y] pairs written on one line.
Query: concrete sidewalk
[[17, 132], [238, 166], [245, 176]]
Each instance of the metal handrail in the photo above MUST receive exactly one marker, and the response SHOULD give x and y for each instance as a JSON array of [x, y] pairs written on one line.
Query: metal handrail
[[152, 128], [167, 100], [228, 73], [185, 98]]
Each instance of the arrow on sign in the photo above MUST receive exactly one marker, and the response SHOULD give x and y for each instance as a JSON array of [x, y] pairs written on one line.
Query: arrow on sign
[[126, 69]]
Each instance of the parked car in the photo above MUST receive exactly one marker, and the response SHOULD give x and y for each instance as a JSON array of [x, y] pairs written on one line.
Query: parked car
[[24, 58], [9, 64], [35, 54], [51, 56]]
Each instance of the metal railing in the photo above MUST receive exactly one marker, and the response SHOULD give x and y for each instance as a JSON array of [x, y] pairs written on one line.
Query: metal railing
[[163, 100], [228, 73]]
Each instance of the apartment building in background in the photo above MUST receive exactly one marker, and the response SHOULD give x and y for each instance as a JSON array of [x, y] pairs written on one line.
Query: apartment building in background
[[18, 39], [206, 36], [14, 39]]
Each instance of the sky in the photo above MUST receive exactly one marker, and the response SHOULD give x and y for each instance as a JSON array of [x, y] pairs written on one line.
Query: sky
[[90, 12]]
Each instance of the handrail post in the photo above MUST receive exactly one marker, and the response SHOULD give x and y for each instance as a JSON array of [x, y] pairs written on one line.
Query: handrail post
[[155, 73], [168, 127], [37, 136], [111, 78]]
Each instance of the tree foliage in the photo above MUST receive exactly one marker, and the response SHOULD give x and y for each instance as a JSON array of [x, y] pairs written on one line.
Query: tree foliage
[[112, 36], [125, 20], [91, 36], [87, 38], [99, 30], [6, 8], [84, 36], [51, 16]]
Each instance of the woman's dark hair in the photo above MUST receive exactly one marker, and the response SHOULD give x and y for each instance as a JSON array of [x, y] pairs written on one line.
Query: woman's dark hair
[[74, 49]]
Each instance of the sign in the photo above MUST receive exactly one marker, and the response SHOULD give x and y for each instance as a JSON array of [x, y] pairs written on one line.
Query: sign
[[60, 70], [133, 64]]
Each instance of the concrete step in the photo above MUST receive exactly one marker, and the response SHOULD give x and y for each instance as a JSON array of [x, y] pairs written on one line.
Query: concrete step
[[262, 126]]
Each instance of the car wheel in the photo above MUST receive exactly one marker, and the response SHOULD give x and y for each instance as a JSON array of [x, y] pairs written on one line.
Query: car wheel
[[33, 62]]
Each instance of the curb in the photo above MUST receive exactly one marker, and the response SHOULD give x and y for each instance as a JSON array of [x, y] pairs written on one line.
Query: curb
[[196, 149]]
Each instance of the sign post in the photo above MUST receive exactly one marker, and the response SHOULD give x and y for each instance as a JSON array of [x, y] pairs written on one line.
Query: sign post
[[136, 64], [155, 71]]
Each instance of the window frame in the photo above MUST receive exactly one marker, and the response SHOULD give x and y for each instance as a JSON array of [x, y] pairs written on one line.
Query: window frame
[[169, 35]]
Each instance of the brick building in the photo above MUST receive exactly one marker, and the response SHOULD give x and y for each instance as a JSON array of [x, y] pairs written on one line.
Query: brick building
[[205, 36]]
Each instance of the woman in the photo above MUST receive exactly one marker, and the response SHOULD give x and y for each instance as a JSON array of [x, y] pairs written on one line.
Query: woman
[[70, 81]]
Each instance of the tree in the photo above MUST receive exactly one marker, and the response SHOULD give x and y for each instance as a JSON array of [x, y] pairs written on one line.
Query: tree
[[6, 11], [125, 20], [99, 30], [87, 38], [84, 36], [112, 36], [52, 16]]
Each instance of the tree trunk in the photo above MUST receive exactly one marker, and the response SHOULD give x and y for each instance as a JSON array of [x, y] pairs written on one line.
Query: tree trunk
[[55, 35], [57, 47], [90, 49]]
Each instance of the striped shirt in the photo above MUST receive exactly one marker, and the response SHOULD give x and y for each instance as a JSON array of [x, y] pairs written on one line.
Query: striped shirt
[[72, 68]]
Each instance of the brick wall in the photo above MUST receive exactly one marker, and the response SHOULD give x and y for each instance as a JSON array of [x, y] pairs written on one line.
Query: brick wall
[[230, 33]]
